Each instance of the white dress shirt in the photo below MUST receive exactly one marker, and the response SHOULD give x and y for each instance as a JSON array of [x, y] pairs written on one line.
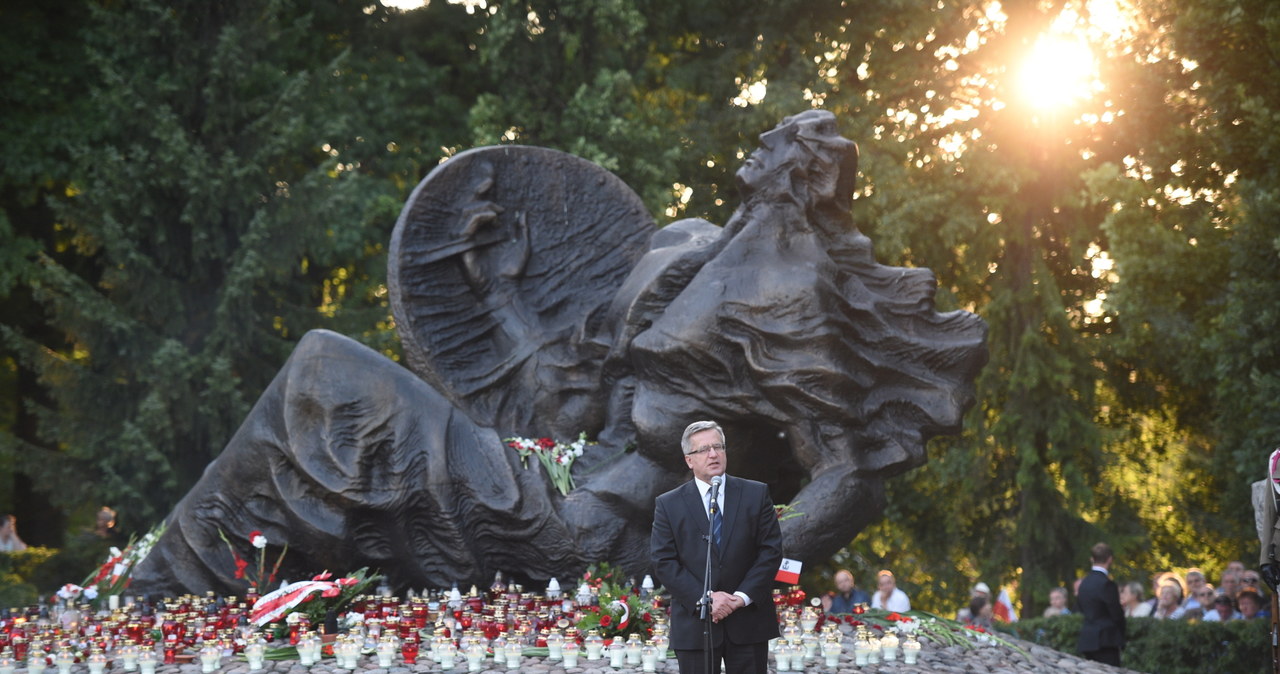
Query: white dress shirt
[[704, 491]]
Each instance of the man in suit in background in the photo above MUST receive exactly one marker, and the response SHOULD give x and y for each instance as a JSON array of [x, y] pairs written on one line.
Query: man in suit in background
[[1102, 634], [746, 551]]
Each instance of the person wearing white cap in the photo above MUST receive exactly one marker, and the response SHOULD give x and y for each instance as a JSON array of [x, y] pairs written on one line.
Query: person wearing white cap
[[980, 589]]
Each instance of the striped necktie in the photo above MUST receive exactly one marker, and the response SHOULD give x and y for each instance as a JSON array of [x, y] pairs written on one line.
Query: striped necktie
[[717, 521]]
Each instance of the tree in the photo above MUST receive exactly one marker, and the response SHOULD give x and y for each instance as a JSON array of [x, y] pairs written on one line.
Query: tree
[[1196, 238], [236, 187]]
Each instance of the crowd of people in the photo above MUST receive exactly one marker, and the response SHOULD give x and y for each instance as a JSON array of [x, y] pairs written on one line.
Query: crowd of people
[[1239, 595]]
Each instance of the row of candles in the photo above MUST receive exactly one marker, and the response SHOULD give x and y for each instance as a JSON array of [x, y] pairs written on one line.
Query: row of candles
[[463, 632], [799, 643]]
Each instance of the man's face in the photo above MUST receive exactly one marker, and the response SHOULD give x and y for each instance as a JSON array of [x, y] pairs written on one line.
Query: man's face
[[1230, 583], [844, 582], [1195, 581], [707, 457]]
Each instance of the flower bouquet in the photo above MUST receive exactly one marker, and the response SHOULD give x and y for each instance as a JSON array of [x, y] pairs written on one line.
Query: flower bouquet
[[113, 576], [556, 457], [621, 612], [256, 579], [315, 599]]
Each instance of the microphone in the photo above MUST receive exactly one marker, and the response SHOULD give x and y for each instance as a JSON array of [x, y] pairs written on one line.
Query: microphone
[[715, 491]]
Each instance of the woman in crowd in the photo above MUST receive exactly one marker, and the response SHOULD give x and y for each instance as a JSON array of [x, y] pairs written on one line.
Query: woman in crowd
[[9, 541], [980, 612], [888, 596], [1131, 600], [1169, 603]]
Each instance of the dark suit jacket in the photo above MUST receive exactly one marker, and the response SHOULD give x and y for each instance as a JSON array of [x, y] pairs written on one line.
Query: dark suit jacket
[[1099, 601], [747, 561]]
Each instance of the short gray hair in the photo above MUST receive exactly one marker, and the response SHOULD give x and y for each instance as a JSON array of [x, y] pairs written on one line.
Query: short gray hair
[[698, 427]]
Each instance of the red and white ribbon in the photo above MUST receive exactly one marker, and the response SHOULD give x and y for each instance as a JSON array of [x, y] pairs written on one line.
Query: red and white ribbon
[[274, 605], [626, 614]]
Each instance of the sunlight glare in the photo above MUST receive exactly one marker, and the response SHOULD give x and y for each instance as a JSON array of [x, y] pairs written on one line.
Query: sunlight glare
[[1059, 70]]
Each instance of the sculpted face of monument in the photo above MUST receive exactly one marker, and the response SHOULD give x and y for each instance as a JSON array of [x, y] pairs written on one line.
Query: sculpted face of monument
[[535, 297]]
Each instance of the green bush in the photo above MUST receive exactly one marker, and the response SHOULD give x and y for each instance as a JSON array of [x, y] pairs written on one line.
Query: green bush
[[16, 572], [1167, 646]]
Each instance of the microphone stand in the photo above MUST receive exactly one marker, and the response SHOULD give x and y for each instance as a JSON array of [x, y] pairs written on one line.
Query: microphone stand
[[704, 604]]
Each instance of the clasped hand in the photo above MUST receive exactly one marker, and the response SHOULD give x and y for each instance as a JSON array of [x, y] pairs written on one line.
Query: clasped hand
[[723, 603]]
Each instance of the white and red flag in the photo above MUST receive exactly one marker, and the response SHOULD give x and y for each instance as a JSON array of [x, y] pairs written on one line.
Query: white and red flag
[[789, 572]]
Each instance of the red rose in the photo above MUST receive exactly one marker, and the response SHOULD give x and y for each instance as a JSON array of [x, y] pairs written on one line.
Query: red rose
[[240, 565], [605, 620]]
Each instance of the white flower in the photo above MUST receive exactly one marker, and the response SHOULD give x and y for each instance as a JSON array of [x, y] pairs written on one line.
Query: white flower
[[259, 541], [91, 593], [70, 591], [114, 552]]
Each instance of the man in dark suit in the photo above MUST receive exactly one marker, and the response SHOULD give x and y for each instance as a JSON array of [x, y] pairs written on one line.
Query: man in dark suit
[[746, 551], [1102, 634]]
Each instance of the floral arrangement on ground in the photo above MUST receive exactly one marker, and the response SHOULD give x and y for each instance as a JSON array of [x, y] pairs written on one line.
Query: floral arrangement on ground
[[943, 631], [622, 611]]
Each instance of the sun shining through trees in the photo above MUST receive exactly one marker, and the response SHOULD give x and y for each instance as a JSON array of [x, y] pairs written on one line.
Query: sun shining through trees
[[1060, 69]]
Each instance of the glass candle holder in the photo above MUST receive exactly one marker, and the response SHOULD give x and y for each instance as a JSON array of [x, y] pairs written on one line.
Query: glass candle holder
[[648, 657], [386, 651], [889, 647], [910, 650], [513, 650], [448, 655], [594, 645], [255, 652], [210, 658], [147, 661], [831, 649], [632, 648], [97, 661], [571, 652], [63, 660]]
